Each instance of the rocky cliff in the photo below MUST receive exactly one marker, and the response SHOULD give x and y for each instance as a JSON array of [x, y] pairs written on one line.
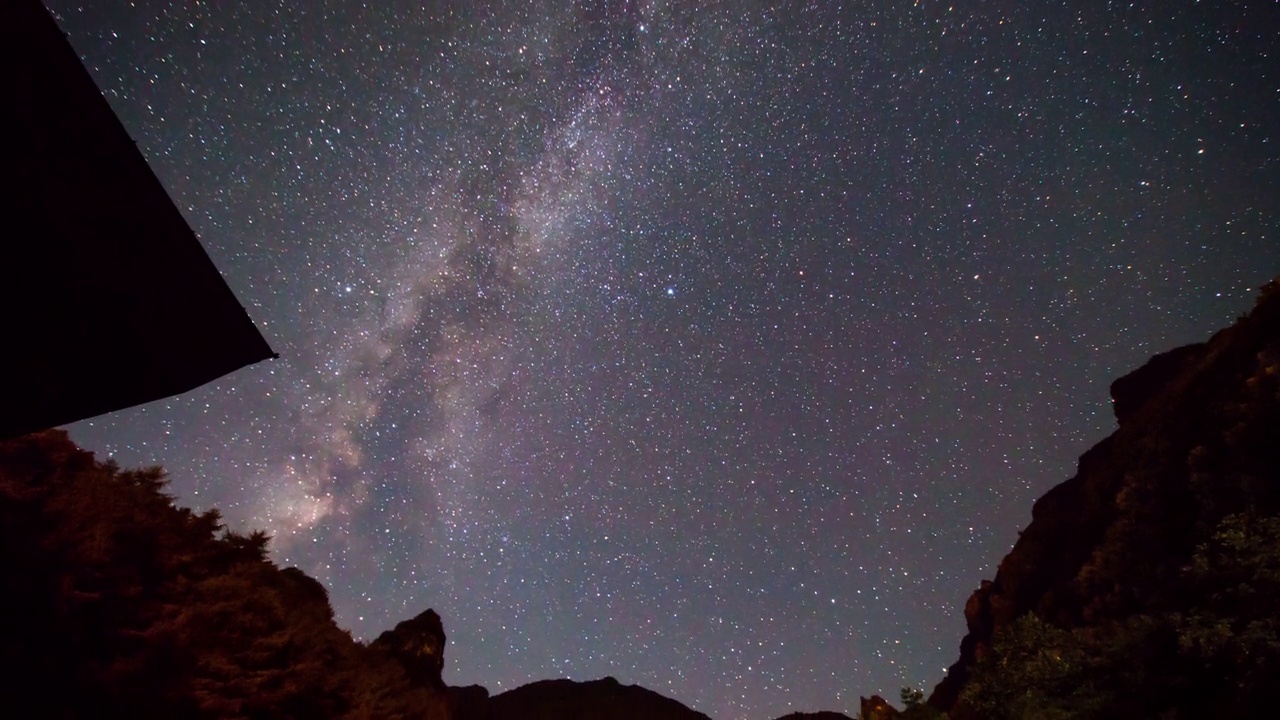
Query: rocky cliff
[[1130, 549]]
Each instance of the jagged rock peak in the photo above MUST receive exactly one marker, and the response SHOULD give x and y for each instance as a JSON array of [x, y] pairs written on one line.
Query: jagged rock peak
[[418, 643], [1131, 393]]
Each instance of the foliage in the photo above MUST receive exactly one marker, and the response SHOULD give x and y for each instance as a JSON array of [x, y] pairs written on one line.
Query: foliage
[[1147, 585], [1035, 671], [915, 707], [119, 603], [1216, 654], [1231, 633]]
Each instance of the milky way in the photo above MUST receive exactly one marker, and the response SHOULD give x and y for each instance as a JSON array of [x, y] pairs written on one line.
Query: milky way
[[718, 349]]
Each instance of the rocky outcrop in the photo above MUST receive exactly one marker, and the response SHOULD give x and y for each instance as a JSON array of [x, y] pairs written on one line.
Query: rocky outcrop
[[418, 645], [1197, 441], [1133, 391]]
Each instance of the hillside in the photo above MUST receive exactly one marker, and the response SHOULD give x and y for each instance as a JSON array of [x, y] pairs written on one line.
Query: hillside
[[117, 600]]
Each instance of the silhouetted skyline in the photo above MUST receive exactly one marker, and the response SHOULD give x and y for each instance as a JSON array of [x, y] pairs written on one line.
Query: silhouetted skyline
[[719, 350]]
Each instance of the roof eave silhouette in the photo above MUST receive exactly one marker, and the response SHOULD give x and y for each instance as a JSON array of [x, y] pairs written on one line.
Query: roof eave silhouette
[[109, 299]]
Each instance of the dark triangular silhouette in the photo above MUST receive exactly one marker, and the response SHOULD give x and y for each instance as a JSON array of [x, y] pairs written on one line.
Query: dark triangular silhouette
[[107, 299]]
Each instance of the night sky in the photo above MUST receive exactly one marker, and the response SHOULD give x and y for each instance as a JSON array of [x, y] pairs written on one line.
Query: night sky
[[721, 348]]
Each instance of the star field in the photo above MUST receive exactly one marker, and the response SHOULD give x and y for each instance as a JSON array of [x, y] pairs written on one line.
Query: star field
[[719, 348]]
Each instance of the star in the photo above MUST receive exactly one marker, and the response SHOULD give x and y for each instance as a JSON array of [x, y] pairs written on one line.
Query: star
[[462, 231]]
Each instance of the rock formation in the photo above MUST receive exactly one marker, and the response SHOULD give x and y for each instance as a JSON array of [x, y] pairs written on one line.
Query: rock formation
[[1198, 444], [418, 645]]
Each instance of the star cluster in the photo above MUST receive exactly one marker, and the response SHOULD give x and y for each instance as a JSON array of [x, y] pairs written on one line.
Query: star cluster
[[720, 348]]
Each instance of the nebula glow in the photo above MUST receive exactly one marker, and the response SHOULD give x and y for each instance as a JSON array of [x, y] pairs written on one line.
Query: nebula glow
[[719, 348]]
